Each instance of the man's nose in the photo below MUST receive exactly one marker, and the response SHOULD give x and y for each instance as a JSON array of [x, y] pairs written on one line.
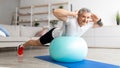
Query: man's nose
[[86, 20]]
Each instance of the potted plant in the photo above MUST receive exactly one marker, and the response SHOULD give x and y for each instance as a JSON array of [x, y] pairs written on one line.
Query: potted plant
[[36, 24], [118, 18], [61, 7], [53, 22]]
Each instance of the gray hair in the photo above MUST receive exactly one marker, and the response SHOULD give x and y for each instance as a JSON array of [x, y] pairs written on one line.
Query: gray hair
[[84, 10]]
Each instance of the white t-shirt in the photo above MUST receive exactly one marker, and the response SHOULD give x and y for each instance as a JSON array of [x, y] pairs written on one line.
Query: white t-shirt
[[71, 28]]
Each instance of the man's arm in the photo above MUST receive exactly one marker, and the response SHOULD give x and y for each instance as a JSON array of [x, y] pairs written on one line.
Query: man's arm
[[62, 14], [97, 21], [98, 24]]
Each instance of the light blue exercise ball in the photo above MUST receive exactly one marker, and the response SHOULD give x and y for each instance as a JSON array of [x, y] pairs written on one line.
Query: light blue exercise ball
[[68, 49]]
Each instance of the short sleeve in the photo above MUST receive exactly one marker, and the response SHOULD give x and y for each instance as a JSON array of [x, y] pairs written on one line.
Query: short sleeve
[[69, 18]]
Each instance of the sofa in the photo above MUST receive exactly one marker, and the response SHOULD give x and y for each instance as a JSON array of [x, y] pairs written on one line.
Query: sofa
[[18, 35], [102, 37]]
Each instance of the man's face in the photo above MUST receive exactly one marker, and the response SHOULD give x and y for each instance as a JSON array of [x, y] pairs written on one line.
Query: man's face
[[84, 18]]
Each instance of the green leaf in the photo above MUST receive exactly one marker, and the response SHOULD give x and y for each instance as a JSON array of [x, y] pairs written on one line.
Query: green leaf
[[118, 18]]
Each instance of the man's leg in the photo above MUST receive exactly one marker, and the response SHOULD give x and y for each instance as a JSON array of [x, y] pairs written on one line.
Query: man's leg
[[46, 38], [28, 43], [32, 43]]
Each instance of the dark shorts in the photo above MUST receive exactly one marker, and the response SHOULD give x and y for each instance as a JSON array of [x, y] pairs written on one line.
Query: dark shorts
[[47, 38]]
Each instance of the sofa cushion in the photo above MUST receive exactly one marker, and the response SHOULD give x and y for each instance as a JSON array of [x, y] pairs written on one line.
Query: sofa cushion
[[12, 29], [13, 39], [41, 32], [27, 31]]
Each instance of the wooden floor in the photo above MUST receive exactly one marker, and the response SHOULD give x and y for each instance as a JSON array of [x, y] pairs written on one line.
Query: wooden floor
[[9, 59]]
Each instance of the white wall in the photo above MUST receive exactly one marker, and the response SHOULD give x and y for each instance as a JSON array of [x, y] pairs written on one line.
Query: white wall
[[7, 7], [103, 8], [106, 9], [33, 2]]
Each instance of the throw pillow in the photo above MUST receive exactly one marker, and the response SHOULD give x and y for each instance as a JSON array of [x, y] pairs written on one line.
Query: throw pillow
[[2, 34], [5, 31]]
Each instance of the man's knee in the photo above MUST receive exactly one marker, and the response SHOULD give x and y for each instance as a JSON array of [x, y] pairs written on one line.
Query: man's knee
[[31, 41]]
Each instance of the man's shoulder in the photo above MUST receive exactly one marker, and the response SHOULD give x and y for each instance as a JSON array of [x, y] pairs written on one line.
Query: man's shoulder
[[71, 19]]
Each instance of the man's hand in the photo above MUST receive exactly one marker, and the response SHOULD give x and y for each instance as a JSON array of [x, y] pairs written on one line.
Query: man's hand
[[95, 18]]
